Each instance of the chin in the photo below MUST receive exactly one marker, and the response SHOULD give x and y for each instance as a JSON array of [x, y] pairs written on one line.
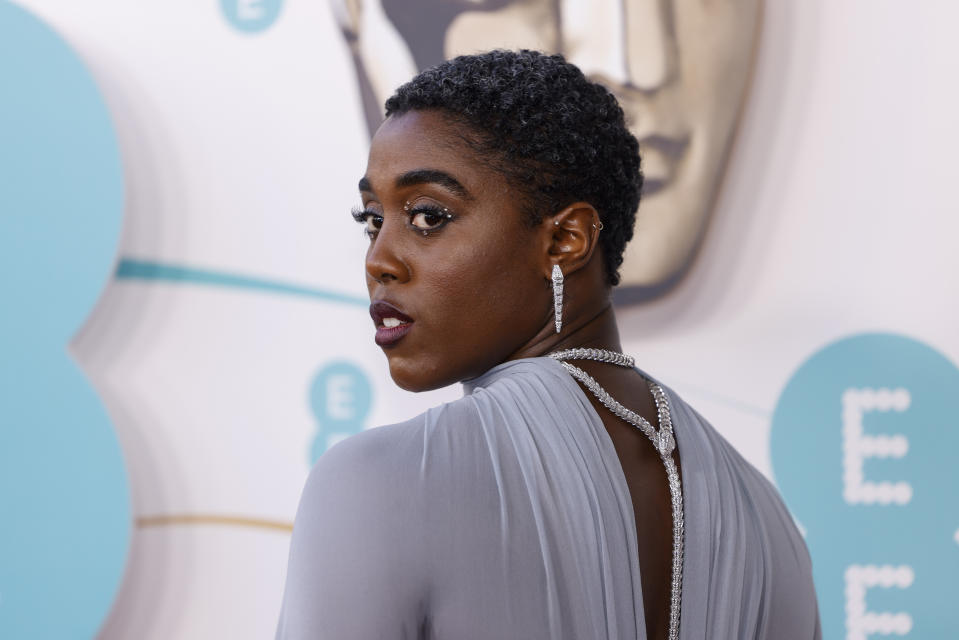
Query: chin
[[416, 377]]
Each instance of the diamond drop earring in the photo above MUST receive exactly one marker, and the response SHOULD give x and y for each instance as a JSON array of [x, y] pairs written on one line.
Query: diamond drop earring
[[558, 296]]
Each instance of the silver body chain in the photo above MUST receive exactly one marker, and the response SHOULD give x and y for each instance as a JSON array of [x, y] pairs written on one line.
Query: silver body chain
[[663, 440]]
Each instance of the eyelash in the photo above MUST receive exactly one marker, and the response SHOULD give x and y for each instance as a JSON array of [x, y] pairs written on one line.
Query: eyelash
[[363, 216], [366, 216]]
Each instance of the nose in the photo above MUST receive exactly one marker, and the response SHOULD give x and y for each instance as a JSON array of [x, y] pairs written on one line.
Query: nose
[[383, 261], [630, 43]]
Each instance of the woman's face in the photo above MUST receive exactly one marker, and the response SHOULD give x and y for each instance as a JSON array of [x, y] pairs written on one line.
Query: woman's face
[[451, 264], [680, 70]]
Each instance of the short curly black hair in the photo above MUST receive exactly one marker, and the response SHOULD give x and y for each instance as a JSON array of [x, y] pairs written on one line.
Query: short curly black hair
[[556, 136]]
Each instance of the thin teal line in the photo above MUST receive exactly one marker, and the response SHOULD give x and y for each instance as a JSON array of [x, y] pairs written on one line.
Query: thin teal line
[[132, 269], [732, 403]]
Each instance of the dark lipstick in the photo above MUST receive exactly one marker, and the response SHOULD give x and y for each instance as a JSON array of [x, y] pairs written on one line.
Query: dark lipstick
[[391, 323]]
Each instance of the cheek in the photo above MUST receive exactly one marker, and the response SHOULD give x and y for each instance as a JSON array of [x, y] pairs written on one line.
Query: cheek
[[489, 286]]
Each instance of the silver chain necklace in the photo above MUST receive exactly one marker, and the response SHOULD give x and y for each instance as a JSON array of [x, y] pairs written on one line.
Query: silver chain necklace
[[662, 439]]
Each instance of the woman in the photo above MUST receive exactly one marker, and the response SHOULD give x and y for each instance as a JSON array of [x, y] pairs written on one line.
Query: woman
[[499, 195]]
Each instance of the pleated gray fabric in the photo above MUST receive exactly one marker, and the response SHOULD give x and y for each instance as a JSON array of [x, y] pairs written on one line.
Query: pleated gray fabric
[[506, 514]]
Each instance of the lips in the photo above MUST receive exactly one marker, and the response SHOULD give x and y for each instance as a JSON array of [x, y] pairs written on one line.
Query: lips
[[391, 323]]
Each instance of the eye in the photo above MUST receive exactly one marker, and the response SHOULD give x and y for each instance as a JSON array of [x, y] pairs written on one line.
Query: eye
[[370, 219], [427, 219]]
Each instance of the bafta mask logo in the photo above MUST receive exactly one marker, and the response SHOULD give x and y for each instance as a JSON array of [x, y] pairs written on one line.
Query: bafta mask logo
[[680, 69]]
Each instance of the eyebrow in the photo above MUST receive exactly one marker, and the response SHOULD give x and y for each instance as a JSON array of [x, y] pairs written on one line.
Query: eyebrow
[[424, 176]]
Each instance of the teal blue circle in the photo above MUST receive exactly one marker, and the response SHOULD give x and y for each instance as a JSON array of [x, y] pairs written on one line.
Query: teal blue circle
[[64, 494], [251, 16], [340, 396], [807, 454]]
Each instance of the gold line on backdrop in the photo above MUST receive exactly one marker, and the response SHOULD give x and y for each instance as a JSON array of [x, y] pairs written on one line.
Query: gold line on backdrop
[[201, 518]]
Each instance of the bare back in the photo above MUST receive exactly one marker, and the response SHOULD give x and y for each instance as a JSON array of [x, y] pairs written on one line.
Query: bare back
[[648, 488]]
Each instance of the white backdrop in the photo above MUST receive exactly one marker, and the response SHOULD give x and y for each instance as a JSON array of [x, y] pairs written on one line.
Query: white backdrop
[[241, 152]]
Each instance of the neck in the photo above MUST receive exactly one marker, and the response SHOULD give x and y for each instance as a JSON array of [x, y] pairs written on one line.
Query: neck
[[597, 331]]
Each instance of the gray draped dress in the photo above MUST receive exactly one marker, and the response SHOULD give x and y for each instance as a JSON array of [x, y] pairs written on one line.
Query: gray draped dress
[[506, 514]]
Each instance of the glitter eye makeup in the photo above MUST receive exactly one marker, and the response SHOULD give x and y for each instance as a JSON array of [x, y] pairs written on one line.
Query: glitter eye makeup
[[424, 218], [427, 218]]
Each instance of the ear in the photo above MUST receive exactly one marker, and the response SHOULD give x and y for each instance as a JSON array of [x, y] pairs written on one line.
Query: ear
[[573, 236]]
